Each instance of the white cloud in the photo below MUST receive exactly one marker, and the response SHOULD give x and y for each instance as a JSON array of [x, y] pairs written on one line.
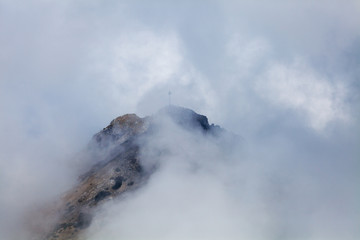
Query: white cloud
[[143, 60], [68, 68], [298, 87], [248, 53], [142, 66]]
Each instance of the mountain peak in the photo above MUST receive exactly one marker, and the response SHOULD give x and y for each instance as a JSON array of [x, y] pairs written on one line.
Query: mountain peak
[[185, 117], [119, 166]]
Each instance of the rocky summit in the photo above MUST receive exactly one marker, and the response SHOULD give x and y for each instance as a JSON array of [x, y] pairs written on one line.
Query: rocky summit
[[118, 166]]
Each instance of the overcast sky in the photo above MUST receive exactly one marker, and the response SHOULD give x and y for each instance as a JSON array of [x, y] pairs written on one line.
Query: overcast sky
[[285, 75]]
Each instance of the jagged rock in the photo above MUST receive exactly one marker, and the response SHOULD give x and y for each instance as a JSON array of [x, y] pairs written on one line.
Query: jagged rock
[[118, 168]]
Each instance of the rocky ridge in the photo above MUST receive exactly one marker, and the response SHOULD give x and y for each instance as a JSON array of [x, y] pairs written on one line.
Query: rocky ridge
[[119, 168]]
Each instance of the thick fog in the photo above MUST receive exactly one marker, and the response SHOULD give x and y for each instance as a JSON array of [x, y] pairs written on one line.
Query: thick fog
[[203, 189], [283, 75]]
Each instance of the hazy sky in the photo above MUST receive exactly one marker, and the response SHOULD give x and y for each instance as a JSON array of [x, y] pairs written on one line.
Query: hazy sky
[[285, 75]]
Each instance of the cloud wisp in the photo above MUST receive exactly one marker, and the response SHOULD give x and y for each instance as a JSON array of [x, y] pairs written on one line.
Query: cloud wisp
[[285, 76], [202, 190]]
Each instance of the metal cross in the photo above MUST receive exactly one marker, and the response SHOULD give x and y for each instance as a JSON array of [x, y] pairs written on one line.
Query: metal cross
[[169, 98]]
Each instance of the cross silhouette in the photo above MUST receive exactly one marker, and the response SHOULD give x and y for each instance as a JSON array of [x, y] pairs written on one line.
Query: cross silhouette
[[169, 98]]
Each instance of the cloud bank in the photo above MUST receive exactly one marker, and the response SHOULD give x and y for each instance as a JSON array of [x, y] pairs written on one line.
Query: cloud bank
[[285, 76]]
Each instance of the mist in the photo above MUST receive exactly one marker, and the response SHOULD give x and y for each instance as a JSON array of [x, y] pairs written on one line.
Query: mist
[[205, 190], [283, 76]]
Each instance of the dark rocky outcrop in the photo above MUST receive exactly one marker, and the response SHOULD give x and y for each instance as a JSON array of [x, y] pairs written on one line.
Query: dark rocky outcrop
[[117, 168], [118, 183], [189, 119]]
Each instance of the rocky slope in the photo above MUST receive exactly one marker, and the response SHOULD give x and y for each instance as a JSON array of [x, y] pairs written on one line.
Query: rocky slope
[[118, 166]]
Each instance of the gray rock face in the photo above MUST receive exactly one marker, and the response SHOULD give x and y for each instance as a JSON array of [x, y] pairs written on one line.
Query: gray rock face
[[189, 119], [118, 169]]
